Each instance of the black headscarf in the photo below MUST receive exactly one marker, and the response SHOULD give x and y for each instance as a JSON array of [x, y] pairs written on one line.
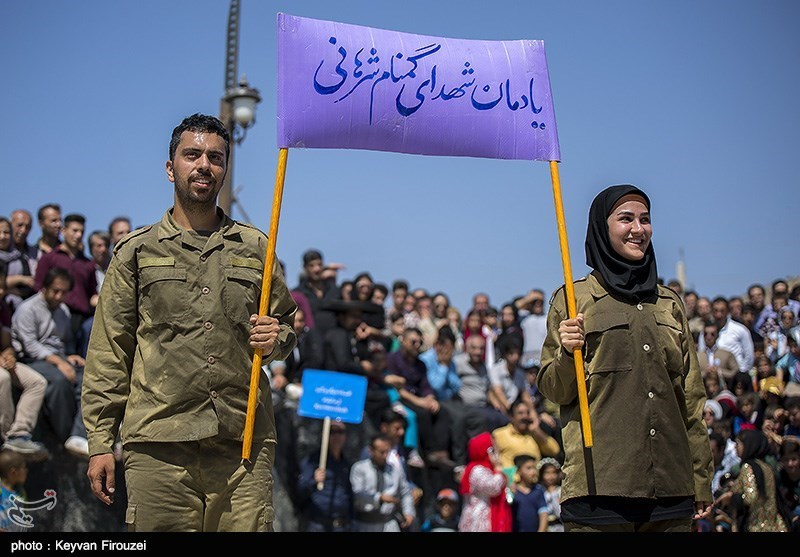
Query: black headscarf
[[632, 281], [755, 447]]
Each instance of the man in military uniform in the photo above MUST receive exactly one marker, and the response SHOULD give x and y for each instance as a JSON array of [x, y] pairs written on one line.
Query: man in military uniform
[[171, 351]]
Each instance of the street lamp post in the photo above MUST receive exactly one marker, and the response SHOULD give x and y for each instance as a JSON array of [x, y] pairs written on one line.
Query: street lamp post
[[238, 105]]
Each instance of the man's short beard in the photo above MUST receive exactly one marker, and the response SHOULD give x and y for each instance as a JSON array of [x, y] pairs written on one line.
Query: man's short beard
[[195, 206]]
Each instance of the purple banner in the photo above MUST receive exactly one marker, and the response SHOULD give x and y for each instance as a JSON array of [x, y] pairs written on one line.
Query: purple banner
[[351, 87]]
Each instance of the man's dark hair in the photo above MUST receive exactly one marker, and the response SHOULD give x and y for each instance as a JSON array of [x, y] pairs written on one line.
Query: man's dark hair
[[389, 416], [45, 207], [379, 437], [400, 285], [511, 344], [382, 288], [413, 330], [115, 220], [57, 272], [522, 459], [445, 334], [517, 402], [200, 123], [74, 217], [720, 300], [311, 255], [758, 286]]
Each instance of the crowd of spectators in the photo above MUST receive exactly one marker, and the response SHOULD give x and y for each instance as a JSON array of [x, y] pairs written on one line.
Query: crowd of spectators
[[441, 382]]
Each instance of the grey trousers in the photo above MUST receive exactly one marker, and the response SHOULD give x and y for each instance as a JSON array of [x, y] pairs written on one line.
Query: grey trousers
[[20, 420]]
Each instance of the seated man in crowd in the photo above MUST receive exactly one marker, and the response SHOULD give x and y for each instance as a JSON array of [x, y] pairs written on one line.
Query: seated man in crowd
[[17, 421], [433, 421], [524, 435], [43, 339]]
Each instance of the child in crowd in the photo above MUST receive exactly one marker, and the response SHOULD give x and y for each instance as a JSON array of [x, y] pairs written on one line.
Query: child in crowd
[[550, 480], [445, 517], [13, 474], [747, 405], [792, 427], [764, 369], [787, 368], [529, 507], [397, 325], [483, 487]]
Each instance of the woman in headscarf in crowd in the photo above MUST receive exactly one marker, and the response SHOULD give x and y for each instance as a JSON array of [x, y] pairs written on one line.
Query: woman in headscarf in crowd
[[776, 341], [712, 412], [649, 467], [509, 327], [473, 325], [755, 495], [483, 489]]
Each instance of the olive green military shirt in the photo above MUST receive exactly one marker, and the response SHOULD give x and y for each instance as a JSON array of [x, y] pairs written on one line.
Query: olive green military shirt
[[645, 395], [169, 357]]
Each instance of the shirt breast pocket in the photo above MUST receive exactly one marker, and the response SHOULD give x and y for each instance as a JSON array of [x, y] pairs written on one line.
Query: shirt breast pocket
[[242, 289], [608, 343], [670, 337], [164, 292]]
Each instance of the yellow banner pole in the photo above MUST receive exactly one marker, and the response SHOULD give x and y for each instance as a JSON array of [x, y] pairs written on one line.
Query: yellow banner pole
[[583, 399], [266, 287]]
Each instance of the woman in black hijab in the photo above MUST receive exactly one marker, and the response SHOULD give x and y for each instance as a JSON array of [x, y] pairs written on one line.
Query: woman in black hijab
[[759, 503], [649, 467]]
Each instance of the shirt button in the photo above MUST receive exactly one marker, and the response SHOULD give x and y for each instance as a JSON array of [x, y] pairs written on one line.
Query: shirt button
[[205, 290], [208, 325], [650, 394], [203, 258], [213, 394], [652, 432], [646, 347], [211, 360], [639, 307]]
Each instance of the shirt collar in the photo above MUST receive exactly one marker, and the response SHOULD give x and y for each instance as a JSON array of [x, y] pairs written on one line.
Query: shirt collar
[[168, 228]]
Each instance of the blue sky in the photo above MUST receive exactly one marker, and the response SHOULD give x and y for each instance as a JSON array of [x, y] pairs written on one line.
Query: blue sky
[[694, 102]]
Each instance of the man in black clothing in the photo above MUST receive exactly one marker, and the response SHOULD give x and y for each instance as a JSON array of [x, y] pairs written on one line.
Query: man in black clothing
[[329, 509], [318, 284]]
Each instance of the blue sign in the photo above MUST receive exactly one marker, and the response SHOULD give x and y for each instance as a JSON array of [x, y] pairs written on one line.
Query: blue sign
[[332, 394]]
